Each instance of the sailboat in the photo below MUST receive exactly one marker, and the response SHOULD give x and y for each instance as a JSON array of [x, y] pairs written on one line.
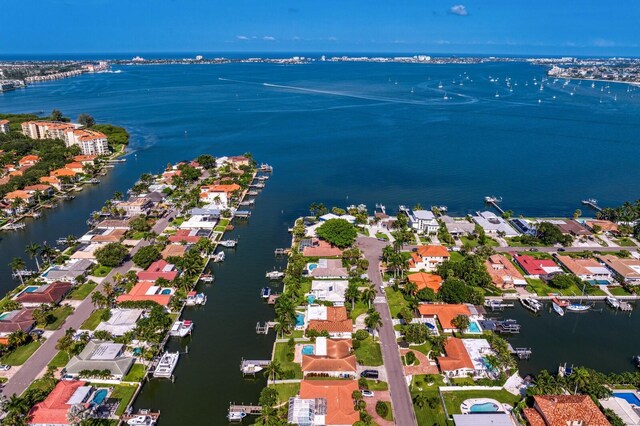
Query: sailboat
[[497, 95], [558, 309], [440, 85], [579, 307]]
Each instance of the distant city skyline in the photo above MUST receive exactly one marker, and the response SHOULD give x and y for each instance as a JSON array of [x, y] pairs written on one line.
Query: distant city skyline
[[418, 26]]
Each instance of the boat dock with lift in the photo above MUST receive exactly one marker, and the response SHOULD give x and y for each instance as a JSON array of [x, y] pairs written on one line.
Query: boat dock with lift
[[494, 201], [253, 366], [593, 203], [237, 412]]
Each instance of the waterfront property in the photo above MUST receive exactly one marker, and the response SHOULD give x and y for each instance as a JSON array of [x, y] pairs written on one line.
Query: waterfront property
[[504, 274], [68, 271], [148, 291], [329, 291], [573, 228], [423, 221], [586, 269], [597, 225], [100, 356], [91, 142], [121, 321], [218, 195], [445, 313], [48, 293], [536, 267], [428, 258], [327, 402], [560, 410], [493, 224], [159, 269], [466, 357], [625, 403], [316, 247], [626, 271], [457, 227], [55, 407], [330, 357], [327, 268], [332, 319], [19, 320]]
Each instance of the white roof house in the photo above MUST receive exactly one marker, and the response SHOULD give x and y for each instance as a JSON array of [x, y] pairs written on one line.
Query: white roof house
[[121, 321], [316, 313], [423, 220], [200, 221], [492, 224], [330, 290], [347, 217]]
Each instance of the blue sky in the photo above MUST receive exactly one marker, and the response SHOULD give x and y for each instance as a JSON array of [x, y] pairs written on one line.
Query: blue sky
[[418, 26]]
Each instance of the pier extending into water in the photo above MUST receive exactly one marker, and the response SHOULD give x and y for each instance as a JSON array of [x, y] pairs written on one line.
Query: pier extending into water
[[493, 201], [593, 203]]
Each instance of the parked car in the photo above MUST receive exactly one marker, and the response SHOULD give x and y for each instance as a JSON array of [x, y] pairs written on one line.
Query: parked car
[[367, 393], [562, 249], [370, 374], [5, 367], [37, 332]]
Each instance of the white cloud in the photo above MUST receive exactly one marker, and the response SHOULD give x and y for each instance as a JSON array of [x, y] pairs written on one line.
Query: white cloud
[[459, 9], [241, 37], [268, 38]]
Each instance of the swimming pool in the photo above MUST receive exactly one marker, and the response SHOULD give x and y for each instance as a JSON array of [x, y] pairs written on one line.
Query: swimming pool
[[474, 327], [31, 289], [630, 397], [307, 350], [312, 266], [166, 291], [485, 407], [299, 320], [99, 396], [311, 298], [3, 315]]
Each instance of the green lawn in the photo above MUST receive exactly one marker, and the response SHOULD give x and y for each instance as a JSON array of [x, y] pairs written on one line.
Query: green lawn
[[363, 230], [102, 271], [82, 291], [94, 319], [60, 313], [124, 393], [359, 309], [20, 354], [296, 334], [60, 360], [619, 291], [136, 374], [382, 236], [425, 348], [541, 289], [369, 353], [515, 243], [473, 242], [396, 301], [286, 390], [425, 414], [377, 385], [453, 399], [389, 415], [455, 256], [280, 356], [625, 242]]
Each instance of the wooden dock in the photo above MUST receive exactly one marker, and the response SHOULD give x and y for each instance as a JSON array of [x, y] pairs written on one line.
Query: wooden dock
[[593, 203], [523, 353], [281, 251], [242, 214], [264, 329], [493, 201], [245, 408]]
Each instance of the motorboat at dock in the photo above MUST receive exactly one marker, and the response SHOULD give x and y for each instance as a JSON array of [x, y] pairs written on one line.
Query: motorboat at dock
[[166, 365], [181, 328]]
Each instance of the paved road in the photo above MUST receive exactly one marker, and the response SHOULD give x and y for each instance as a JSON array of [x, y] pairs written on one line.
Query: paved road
[[41, 358], [400, 396], [547, 249]]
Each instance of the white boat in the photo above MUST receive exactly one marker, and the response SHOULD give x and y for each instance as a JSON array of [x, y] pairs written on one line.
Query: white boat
[[531, 304], [265, 292], [142, 421], [166, 365], [228, 243], [274, 275], [236, 416], [181, 328], [578, 308], [207, 278], [251, 369], [613, 302], [201, 299], [218, 257], [558, 309]]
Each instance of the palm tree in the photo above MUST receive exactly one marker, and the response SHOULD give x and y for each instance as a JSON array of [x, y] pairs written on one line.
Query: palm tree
[[373, 320], [18, 338], [580, 377], [273, 370], [70, 240], [410, 288], [47, 252], [352, 293], [32, 250], [420, 400], [17, 404], [117, 195], [17, 265], [369, 294], [108, 290]]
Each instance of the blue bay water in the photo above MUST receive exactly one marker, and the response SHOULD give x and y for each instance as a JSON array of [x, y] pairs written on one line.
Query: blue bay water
[[338, 133]]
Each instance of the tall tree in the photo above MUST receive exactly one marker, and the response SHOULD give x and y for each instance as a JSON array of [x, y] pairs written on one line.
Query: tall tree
[[33, 250]]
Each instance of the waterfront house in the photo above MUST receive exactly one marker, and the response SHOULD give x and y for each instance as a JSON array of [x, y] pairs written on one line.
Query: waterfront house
[[167, 176], [563, 410], [586, 269], [47, 293], [43, 189], [101, 355], [456, 362], [147, 290], [75, 166], [504, 274], [330, 357], [173, 250], [524, 226], [25, 196], [201, 219], [121, 321], [68, 271], [28, 161], [189, 236], [457, 228], [159, 269], [4, 126], [107, 236], [573, 228], [218, 195], [328, 268], [55, 407], [114, 224], [63, 173], [493, 224], [91, 142], [626, 271], [423, 280], [237, 161], [536, 268], [324, 402], [85, 159], [428, 258], [136, 206], [329, 290], [51, 180], [597, 225], [19, 320], [349, 218], [316, 247], [445, 313], [87, 251], [623, 408], [423, 221], [332, 319]]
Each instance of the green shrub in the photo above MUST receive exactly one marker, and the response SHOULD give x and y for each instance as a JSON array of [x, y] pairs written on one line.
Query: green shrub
[[382, 409], [361, 334]]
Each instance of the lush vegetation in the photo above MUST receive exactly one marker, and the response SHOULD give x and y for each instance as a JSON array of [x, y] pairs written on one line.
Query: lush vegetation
[[146, 255], [112, 254], [115, 135], [338, 232]]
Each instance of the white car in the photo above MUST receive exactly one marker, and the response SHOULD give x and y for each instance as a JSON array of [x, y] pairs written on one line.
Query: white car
[[5, 367], [367, 393]]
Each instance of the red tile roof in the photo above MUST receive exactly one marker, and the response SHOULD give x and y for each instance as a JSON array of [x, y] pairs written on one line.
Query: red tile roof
[[457, 356], [139, 293], [562, 410], [433, 251], [444, 312], [158, 269], [339, 358], [183, 236], [51, 293], [337, 393], [337, 321], [53, 410], [533, 266], [423, 280]]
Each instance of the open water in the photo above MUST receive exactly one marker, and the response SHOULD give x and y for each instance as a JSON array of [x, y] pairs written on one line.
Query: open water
[[349, 133]]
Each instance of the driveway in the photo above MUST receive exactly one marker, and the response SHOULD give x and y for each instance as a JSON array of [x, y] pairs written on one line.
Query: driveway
[[398, 390], [371, 407]]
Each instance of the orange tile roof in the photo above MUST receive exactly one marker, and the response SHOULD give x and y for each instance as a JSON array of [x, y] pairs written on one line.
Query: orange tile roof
[[221, 188], [339, 358], [444, 312], [49, 179], [578, 266], [18, 194], [29, 159], [37, 187], [81, 158], [4, 121], [74, 165], [53, 410], [533, 417], [173, 250], [605, 225], [337, 321], [423, 280], [561, 410], [504, 271], [138, 293], [432, 251], [457, 356], [337, 393], [321, 248], [63, 172]]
